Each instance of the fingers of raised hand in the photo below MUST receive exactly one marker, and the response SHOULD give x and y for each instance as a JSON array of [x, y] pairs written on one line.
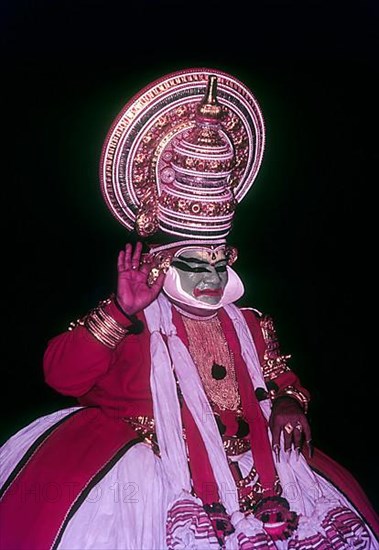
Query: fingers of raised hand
[[121, 261], [136, 257], [145, 267], [124, 259], [129, 259]]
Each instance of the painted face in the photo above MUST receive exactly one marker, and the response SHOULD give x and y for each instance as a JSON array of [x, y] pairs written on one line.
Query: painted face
[[202, 273]]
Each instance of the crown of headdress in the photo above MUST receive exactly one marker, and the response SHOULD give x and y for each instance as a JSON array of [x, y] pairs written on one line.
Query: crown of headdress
[[182, 154]]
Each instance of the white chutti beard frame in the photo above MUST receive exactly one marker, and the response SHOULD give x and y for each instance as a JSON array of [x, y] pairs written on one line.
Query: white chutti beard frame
[[233, 290]]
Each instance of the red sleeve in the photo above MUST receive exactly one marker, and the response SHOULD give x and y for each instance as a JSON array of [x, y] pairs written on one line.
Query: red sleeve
[[74, 360], [289, 378]]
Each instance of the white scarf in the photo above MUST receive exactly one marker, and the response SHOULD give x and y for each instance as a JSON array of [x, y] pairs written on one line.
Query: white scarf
[[167, 416]]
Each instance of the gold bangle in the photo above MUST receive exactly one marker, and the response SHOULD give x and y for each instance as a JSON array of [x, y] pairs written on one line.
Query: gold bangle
[[104, 328], [291, 391], [99, 331]]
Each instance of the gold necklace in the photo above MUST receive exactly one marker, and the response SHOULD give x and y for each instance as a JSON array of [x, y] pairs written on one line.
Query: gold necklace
[[214, 361]]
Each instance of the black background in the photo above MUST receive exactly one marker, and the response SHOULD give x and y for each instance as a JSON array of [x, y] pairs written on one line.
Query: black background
[[302, 232]]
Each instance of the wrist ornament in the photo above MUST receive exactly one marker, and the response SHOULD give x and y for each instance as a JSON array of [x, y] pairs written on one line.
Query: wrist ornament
[[104, 327], [291, 391]]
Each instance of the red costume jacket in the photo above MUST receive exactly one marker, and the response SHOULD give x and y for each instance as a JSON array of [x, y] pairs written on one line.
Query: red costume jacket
[[118, 380]]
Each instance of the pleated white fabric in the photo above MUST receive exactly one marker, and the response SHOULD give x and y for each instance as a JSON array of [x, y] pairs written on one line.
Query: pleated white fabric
[[127, 509]]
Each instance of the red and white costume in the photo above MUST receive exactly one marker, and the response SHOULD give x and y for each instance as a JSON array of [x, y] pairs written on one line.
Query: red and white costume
[[146, 461], [84, 478]]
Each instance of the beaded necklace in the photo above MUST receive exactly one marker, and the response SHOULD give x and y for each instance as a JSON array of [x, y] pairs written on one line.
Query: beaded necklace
[[214, 361]]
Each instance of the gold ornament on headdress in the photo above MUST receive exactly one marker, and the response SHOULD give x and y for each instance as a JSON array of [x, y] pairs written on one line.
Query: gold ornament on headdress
[[182, 154]]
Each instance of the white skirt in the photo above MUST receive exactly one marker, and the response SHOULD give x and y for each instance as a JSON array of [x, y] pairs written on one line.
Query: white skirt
[[127, 509]]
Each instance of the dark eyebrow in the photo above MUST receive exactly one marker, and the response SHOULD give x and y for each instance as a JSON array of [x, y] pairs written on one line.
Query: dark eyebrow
[[197, 261], [192, 260]]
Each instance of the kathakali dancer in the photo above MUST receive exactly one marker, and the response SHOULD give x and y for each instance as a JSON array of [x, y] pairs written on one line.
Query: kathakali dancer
[[187, 409]]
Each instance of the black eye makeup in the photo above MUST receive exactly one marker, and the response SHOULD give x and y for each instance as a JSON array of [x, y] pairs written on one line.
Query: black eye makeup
[[183, 265]]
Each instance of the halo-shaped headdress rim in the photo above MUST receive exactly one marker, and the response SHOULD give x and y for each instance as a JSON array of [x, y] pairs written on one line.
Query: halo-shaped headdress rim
[[131, 158]]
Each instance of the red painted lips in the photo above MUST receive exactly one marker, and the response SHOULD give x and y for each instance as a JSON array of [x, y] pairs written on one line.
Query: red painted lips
[[207, 292]]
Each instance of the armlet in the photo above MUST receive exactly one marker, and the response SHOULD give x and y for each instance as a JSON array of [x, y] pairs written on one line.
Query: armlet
[[274, 363]]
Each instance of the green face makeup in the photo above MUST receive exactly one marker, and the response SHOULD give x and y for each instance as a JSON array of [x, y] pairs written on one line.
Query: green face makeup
[[202, 274]]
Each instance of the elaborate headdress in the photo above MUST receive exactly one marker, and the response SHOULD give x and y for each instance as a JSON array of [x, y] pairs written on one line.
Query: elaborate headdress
[[181, 155]]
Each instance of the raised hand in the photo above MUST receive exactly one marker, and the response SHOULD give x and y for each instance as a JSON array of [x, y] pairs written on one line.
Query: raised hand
[[287, 417], [133, 290]]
